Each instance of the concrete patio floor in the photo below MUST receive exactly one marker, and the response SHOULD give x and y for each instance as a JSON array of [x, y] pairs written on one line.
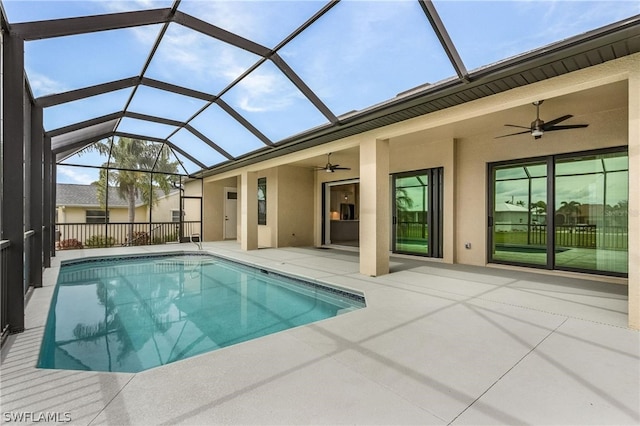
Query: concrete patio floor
[[437, 344]]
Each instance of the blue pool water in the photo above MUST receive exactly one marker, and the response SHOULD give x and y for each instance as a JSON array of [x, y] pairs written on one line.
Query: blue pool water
[[132, 314]]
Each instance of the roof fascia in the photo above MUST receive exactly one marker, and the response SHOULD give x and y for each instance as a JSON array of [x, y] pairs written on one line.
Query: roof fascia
[[38, 30]]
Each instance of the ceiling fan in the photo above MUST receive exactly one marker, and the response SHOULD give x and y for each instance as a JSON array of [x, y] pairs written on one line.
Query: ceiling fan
[[538, 127], [330, 168]]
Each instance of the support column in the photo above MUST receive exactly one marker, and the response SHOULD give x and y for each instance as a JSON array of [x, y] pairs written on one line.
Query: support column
[[634, 200], [36, 201], [52, 211], [13, 177], [375, 207], [48, 230], [248, 211]]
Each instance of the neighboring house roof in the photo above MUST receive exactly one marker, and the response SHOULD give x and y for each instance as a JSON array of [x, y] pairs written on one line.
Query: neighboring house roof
[[508, 207], [68, 194]]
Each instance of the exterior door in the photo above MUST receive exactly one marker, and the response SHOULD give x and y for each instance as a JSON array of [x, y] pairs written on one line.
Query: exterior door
[[417, 213], [230, 226]]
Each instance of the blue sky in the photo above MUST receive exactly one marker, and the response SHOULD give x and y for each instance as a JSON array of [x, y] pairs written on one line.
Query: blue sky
[[360, 53]]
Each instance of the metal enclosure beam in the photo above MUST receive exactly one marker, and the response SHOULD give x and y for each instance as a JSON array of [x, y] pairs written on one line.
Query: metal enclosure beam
[[13, 177], [52, 211], [302, 86], [84, 124], [186, 155], [442, 34], [86, 92], [48, 204], [156, 84], [38, 30], [80, 144], [36, 201], [240, 119], [220, 34], [209, 142], [153, 119]]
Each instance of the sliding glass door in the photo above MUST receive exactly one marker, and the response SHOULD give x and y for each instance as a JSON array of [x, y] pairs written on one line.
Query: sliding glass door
[[520, 213], [417, 213], [567, 212], [591, 212]]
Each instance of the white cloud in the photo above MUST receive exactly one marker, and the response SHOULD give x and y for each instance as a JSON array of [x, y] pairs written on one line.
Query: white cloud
[[262, 91], [116, 6], [43, 85], [72, 175]]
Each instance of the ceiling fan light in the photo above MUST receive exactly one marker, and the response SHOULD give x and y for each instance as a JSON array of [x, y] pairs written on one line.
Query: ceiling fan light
[[328, 170], [537, 133]]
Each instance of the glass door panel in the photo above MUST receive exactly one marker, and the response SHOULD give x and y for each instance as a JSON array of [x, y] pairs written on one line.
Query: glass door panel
[[411, 211], [519, 213], [591, 217], [342, 215]]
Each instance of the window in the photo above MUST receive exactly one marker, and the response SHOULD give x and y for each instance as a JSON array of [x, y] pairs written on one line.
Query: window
[[97, 216], [262, 201], [175, 215], [566, 212]]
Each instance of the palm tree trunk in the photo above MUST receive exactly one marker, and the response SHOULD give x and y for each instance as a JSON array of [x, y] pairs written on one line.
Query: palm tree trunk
[[132, 211]]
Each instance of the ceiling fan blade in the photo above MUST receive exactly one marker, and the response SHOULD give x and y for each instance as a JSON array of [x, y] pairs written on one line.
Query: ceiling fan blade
[[513, 134], [551, 123], [515, 125], [568, 126], [341, 168]]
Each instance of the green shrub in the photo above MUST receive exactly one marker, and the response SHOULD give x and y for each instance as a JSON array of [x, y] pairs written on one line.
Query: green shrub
[[96, 241], [162, 239], [140, 238]]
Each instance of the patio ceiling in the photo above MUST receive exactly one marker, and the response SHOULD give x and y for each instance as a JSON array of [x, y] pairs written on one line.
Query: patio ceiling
[[226, 84]]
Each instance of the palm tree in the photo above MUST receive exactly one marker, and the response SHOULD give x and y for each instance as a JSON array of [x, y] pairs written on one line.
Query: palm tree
[[403, 204], [127, 169], [570, 208]]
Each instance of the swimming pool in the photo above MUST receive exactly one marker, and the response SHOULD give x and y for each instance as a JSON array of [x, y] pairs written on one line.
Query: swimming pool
[[129, 314]]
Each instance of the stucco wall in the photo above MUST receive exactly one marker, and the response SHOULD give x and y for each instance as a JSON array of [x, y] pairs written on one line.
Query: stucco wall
[[213, 208], [71, 214], [295, 206]]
